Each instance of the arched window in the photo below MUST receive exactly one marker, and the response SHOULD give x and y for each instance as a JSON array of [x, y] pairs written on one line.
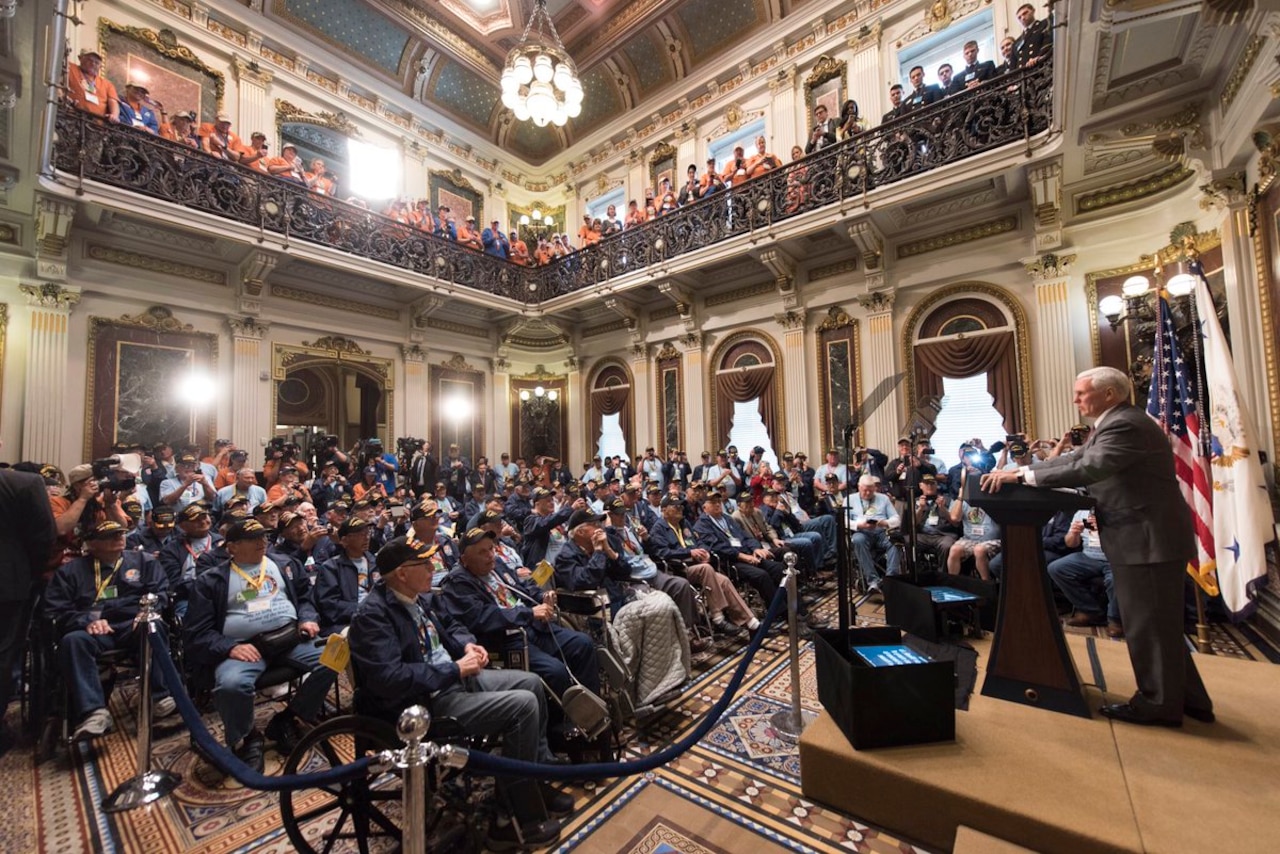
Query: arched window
[[612, 427], [746, 398], [972, 332]]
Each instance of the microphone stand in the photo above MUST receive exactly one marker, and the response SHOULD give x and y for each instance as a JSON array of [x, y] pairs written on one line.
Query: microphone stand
[[912, 485]]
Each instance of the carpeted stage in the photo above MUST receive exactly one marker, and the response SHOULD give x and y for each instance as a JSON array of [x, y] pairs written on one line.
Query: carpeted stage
[[1058, 783]]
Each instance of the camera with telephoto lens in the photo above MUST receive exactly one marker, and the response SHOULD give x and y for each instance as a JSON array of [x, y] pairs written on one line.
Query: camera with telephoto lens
[[275, 445], [109, 475], [1080, 433]]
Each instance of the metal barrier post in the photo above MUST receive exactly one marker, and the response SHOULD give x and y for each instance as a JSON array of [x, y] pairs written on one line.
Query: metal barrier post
[[790, 723], [147, 785], [412, 728]]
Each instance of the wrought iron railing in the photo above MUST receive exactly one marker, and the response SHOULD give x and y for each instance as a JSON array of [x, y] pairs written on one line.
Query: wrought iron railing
[[1012, 108]]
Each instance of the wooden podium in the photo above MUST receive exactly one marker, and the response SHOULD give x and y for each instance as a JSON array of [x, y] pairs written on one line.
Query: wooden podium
[[1029, 662]]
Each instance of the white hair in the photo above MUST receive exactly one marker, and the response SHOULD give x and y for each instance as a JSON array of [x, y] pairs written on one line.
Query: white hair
[[1104, 378], [868, 480]]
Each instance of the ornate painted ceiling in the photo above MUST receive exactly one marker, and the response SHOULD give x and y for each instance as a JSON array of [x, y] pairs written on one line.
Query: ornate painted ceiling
[[450, 52]]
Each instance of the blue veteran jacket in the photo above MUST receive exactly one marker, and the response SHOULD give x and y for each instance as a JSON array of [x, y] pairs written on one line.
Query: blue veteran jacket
[[713, 538], [469, 600], [391, 672], [537, 534], [666, 545], [576, 570], [70, 596], [204, 642], [337, 590], [173, 556]]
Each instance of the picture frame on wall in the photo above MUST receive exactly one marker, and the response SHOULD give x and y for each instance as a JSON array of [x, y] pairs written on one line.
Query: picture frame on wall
[[825, 85], [173, 74], [662, 164], [453, 189]]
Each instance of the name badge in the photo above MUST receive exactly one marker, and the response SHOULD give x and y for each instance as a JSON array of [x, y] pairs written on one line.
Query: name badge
[[979, 530], [247, 594], [90, 97], [258, 605], [735, 542], [108, 593], [932, 520], [139, 123]]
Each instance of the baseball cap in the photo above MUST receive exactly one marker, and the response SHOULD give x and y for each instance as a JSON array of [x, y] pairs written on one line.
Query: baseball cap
[[400, 551], [617, 505], [351, 525], [473, 536], [583, 517], [247, 529], [106, 530], [424, 509], [192, 512]]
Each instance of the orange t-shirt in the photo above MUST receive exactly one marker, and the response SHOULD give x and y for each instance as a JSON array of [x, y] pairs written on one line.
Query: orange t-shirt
[[758, 164], [92, 96]]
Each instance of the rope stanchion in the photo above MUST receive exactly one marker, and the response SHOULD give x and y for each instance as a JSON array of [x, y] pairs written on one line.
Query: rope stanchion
[[487, 763], [790, 722], [226, 761]]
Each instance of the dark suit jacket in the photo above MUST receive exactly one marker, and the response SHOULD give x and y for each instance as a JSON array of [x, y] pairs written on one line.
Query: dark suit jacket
[[980, 71], [926, 95], [828, 136], [26, 532], [1127, 464], [666, 545], [468, 600], [69, 598]]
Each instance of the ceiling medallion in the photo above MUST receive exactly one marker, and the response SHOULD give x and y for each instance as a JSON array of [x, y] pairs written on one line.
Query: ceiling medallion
[[540, 82]]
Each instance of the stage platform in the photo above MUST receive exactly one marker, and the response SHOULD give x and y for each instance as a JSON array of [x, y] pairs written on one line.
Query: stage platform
[[1058, 783]]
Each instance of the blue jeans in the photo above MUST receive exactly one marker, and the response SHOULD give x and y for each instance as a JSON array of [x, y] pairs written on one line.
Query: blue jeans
[[808, 545], [824, 527], [78, 654], [1077, 575], [234, 683], [878, 539]]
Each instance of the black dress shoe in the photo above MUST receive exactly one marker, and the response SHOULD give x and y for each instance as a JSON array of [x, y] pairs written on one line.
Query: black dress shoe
[[1203, 715], [559, 804], [1127, 713], [250, 751]]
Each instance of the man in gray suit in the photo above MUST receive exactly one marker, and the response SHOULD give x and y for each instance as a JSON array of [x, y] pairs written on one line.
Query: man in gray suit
[[1145, 527]]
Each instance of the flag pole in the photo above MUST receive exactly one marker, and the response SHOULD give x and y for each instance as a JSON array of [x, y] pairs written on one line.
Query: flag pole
[[1203, 644]]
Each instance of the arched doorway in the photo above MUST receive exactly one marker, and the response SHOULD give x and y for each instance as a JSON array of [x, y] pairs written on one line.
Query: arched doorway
[[331, 387], [612, 425], [746, 397]]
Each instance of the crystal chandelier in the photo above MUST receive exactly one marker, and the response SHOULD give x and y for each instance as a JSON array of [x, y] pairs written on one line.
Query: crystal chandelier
[[540, 81]]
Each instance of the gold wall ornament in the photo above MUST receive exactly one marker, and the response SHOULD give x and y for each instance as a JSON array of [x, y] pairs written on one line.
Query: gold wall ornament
[[288, 112], [455, 177], [166, 45], [1243, 66], [1131, 191], [1265, 243], [458, 362], [668, 351], [939, 15], [338, 344], [1022, 342], [837, 318], [825, 70], [877, 301], [979, 231], [156, 317], [733, 117]]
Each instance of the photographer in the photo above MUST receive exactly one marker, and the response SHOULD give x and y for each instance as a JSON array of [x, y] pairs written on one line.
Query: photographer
[[1015, 453], [908, 468], [327, 451], [934, 531], [1077, 576], [236, 460], [281, 454], [457, 473], [330, 487], [287, 486], [384, 464], [91, 501]]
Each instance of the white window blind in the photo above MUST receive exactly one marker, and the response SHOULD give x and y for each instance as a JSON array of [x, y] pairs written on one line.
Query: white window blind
[[967, 413], [748, 430], [612, 442]]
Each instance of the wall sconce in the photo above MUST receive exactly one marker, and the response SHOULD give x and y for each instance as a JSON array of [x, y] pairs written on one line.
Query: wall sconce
[[1132, 304], [538, 394]]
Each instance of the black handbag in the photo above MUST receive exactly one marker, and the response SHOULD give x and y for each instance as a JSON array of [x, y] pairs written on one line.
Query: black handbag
[[276, 642]]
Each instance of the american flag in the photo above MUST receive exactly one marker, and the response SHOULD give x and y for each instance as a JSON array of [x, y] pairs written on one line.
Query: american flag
[[1174, 408]]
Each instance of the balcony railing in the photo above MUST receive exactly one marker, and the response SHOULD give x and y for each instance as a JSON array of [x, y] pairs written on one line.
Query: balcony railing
[[1009, 109]]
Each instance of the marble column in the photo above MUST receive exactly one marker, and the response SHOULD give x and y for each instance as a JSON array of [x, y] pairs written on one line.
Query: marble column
[[1053, 354], [499, 415], [250, 396], [641, 400], [785, 117], [578, 442], [687, 149], [45, 403], [795, 373], [255, 109], [696, 395], [416, 391], [880, 430], [865, 74]]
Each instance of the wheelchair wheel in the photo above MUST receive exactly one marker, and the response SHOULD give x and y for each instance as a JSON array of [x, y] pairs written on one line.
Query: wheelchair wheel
[[366, 811]]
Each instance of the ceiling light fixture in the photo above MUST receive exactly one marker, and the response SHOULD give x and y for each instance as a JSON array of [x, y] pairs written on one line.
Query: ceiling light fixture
[[540, 82]]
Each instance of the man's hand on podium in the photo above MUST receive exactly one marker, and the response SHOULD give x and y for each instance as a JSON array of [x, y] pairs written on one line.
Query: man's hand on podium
[[992, 481]]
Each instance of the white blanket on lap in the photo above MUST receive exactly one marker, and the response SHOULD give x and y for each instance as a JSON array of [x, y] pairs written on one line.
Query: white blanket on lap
[[654, 645]]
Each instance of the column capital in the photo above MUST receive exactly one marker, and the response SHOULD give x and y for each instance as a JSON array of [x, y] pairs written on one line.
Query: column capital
[[51, 295], [691, 341], [1224, 192], [791, 320], [413, 353], [640, 352], [877, 302], [248, 327], [248, 71], [1048, 267], [866, 37]]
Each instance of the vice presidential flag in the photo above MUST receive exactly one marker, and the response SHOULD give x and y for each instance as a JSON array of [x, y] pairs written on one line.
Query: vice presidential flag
[[1242, 520]]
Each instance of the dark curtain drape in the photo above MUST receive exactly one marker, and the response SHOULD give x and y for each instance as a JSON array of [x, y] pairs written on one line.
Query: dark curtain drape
[[994, 355], [736, 385], [612, 400]]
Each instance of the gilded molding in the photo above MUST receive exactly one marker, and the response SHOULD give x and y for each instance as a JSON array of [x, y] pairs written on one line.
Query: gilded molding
[[125, 258], [1267, 313], [288, 112], [51, 295], [667, 351], [346, 305], [1132, 191], [837, 318], [618, 325], [10, 234], [1022, 340], [165, 44], [1235, 80], [157, 317], [460, 328], [739, 293], [830, 270], [338, 344], [982, 230], [669, 354], [248, 327], [458, 362], [455, 177], [287, 357], [824, 69], [1049, 266]]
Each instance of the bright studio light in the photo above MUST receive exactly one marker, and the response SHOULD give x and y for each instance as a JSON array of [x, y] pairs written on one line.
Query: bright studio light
[[459, 408], [195, 389], [374, 173]]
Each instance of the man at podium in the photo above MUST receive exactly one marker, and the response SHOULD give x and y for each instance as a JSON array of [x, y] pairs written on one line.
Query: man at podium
[[1146, 532]]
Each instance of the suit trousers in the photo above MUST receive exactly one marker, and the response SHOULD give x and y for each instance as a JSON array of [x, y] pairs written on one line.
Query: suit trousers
[[681, 591], [1150, 597]]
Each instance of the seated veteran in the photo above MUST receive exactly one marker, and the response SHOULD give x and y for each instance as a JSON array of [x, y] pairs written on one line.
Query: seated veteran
[[287, 484], [753, 521], [980, 539], [934, 532], [790, 520], [295, 538], [639, 511], [474, 505], [491, 593], [722, 535], [180, 554], [345, 579], [406, 650], [188, 484], [424, 520], [245, 617], [246, 485], [150, 537], [519, 506], [631, 542], [93, 601], [1080, 575], [672, 540], [545, 528], [871, 515]]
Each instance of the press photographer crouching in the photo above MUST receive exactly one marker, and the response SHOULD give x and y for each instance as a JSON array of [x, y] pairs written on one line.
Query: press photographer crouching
[[243, 618]]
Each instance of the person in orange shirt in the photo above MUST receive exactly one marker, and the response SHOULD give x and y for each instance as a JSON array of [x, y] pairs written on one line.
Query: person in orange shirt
[[369, 486], [589, 233], [219, 140], [89, 90], [519, 250], [283, 166], [318, 181], [468, 235], [287, 485], [761, 162], [666, 199], [179, 129], [254, 154], [735, 172], [421, 217], [544, 253], [635, 216], [711, 180]]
